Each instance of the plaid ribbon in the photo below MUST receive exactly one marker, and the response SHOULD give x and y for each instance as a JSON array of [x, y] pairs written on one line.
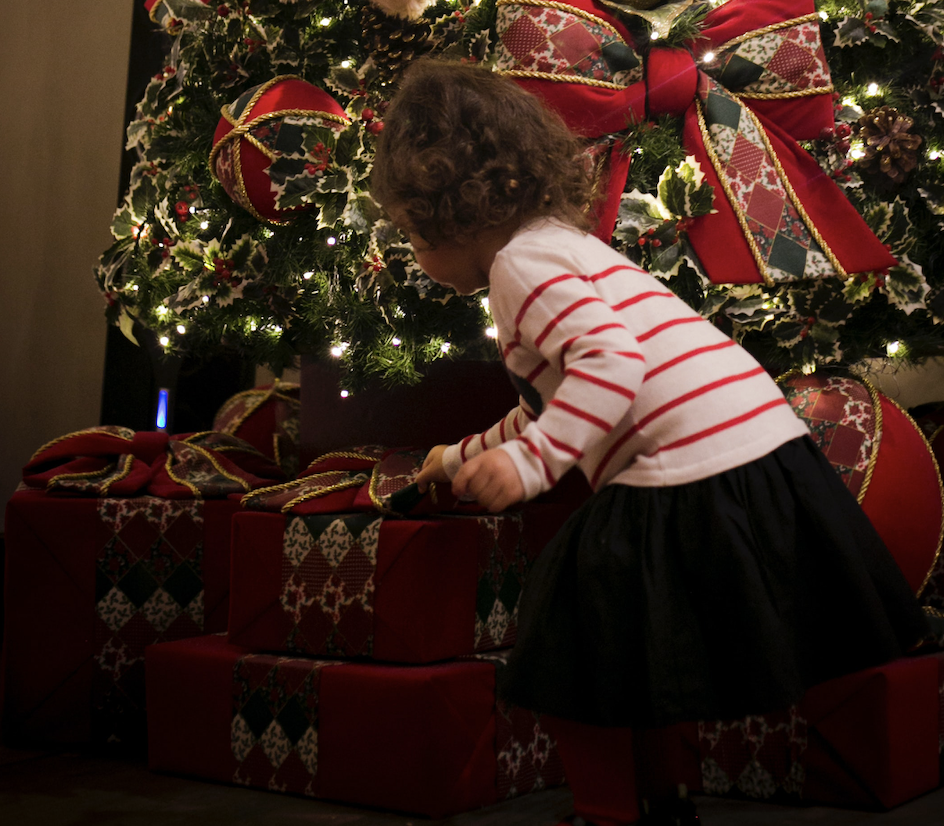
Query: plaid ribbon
[[753, 84]]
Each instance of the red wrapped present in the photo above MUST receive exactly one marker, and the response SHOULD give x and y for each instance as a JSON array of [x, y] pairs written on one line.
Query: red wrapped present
[[363, 583], [93, 577], [430, 740], [868, 740]]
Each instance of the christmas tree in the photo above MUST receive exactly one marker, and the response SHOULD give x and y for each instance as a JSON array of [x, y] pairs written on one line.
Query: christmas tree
[[249, 226]]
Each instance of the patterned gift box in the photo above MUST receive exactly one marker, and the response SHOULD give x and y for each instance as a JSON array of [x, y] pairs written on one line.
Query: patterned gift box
[[428, 739], [339, 571], [365, 585], [868, 740], [97, 567]]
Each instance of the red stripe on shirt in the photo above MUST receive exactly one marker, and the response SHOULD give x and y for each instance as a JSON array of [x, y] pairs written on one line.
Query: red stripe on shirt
[[605, 426], [710, 431], [622, 305], [564, 447], [537, 291], [552, 324], [608, 385], [536, 372], [659, 328], [595, 331], [537, 453], [659, 411], [463, 445], [685, 356]]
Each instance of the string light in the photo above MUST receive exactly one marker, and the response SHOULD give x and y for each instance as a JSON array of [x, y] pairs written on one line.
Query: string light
[[161, 311], [934, 154], [205, 299], [204, 225], [164, 341], [331, 241], [395, 341], [893, 347], [707, 57], [872, 89], [181, 329], [445, 347], [491, 332], [307, 275], [325, 21], [344, 394]]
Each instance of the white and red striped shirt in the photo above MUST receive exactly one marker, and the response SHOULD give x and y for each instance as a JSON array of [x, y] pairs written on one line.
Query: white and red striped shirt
[[620, 376]]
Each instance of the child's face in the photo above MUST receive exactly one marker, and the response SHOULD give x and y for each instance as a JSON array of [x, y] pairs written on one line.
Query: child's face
[[451, 264]]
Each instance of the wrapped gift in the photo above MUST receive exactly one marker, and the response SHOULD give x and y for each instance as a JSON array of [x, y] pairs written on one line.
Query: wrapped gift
[[365, 582], [869, 740], [430, 739], [116, 541]]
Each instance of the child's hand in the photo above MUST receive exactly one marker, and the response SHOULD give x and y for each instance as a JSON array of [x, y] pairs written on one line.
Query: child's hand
[[492, 479], [432, 470]]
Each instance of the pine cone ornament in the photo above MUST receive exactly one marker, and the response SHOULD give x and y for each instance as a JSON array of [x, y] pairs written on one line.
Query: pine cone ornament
[[890, 147], [393, 40]]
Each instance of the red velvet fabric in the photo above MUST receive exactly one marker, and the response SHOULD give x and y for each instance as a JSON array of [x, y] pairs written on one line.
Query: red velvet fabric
[[53, 633], [417, 739], [903, 499]]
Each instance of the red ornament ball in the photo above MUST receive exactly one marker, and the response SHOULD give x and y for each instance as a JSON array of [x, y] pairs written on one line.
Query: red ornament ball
[[246, 141], [884, 459]]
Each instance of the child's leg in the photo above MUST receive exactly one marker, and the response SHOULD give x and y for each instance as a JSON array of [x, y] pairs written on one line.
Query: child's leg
[[600, 770]]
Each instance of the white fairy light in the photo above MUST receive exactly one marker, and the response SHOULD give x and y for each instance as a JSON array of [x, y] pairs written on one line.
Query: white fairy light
[[204, 225], [395, 341], [181, 329], [934, 154], [491, 332], [872, 89], [331, 241], [164, 341], [707, 57], [161, 310], [307, 275], [205, 299], [445, 347], [893, 347], [325, 21], [344, 394]]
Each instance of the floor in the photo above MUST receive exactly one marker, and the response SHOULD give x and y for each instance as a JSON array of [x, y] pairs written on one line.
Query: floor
[[82, 789]]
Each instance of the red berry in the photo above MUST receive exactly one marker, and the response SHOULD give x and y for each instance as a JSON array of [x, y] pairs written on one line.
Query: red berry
[[222, 10], [367, 114], [375, 127]]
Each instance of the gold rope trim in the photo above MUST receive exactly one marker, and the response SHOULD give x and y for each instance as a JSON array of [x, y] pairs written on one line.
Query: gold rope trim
[[87, 431], [118, 474], [876, 437], [550, 4], [355, 482], [561, 78], [796, 93], [342, 454], [372, 491], [153, 11], [934, 612], [784, 24]]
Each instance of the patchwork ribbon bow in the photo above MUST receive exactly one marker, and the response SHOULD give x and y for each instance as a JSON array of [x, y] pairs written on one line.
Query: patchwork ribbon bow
[[117, 461], [753, 84]]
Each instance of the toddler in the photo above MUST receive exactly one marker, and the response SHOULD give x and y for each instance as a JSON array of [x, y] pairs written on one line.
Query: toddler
[[720, 567]]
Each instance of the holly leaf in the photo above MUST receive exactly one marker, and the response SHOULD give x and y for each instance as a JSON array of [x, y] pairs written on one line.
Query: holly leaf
[[906, 286], [126, 325], [851, 31]]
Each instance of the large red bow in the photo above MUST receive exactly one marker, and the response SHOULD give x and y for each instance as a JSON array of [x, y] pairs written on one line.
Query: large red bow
[[117, 461], [779, 216]]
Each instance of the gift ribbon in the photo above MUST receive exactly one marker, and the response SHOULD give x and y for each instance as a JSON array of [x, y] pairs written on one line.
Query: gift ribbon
[[779, 217], [117, 461]]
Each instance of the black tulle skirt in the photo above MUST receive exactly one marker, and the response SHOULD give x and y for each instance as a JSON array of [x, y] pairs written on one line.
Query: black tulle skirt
[[711, 600]]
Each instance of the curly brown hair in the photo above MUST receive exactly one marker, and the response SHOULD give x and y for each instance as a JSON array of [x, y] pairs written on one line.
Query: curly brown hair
[[464, 149]]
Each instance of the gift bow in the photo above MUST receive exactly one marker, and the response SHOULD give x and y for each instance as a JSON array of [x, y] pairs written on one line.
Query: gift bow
[[779, 216], [117, 461], [363, 479]]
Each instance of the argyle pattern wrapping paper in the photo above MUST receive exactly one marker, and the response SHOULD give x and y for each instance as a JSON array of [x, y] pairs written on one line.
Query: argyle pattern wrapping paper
[[503, 567], [328, 566], [274, 734], [148, 588]]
